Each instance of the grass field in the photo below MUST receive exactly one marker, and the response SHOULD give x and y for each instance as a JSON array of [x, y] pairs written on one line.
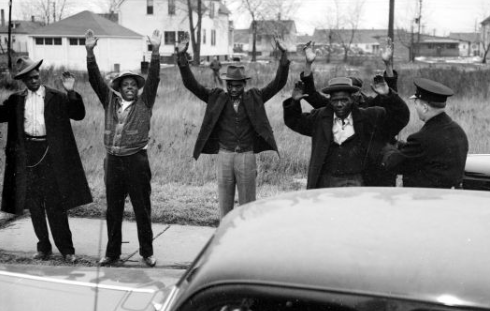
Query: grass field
[[184, 190]]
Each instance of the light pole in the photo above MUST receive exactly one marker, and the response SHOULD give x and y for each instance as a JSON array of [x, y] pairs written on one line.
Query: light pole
[[9, 37]]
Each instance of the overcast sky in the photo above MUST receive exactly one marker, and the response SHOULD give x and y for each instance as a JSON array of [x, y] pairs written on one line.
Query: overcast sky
[[438, 16]]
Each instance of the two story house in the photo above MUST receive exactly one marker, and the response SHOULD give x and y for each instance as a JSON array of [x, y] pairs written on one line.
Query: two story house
[[171, 16]]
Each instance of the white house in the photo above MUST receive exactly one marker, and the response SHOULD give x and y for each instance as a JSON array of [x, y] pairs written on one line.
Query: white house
[[62, 44], [171, 17], [469, 43], [19, 33]]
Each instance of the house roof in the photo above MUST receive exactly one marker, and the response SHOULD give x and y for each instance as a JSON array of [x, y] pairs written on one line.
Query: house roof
[[485, 21], [465, 36], [241, 35], [269, 27], [77, 25], [21, 27], [223, 9]]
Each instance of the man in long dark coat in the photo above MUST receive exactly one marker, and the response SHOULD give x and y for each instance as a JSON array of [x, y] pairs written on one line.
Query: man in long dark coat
[[43, 171]]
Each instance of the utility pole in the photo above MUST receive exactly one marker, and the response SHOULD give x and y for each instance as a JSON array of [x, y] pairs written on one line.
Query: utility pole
[[418, 20], [9, 42], [391, 19]]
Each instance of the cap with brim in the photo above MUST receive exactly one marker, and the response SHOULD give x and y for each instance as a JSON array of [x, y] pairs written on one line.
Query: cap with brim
[[24, 65], [235, 73], [340, 84], [128, 74], [356, 81], [431, 91]]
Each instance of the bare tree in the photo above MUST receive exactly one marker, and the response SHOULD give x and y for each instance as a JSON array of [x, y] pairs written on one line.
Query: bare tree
[[195, 6], [48, 11], [110, 7]]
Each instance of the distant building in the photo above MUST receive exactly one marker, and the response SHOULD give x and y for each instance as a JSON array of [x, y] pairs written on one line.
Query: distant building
[[267, 29], [19, 33], [485, 36], [469, 43], [430, 46], [241, 41], [172, 16], [363, 40], [63, 44]]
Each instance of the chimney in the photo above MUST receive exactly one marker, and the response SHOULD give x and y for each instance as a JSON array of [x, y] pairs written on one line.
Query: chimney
[[3, 17], [33, 18]]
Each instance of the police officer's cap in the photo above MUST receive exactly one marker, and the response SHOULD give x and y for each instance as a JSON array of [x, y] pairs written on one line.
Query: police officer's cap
[[432, 92]]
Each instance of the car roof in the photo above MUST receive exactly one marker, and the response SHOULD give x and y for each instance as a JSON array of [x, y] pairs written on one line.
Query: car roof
[[423, 244]]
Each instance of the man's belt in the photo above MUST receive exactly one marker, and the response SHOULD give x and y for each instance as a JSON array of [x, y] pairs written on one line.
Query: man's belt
[[35, 138]]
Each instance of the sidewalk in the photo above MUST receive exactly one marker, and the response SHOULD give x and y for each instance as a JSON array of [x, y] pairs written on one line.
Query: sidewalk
[[174, 246]]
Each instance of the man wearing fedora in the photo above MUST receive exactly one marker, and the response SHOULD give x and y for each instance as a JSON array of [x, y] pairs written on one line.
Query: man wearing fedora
[[435, 156], [44, 173], [235, 126], [373, 174], [343, 135], [128, 109]]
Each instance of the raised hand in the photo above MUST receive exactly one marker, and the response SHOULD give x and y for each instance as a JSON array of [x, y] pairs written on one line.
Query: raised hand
[[155, 40], [90, 40], [298, 91], [387, 53], [184, 44], [310, 54], [68, 80], [380, 86], [279, 44]]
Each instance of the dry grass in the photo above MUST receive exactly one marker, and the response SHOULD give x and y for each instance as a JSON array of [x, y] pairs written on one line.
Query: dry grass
[[184, 190]]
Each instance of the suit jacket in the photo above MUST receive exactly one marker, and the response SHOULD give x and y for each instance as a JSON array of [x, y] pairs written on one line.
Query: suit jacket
[[58, 110], [253, 100], [373, 175], [318, 125], [434, 157]]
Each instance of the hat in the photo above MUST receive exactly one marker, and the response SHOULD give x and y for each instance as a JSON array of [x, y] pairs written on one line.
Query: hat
[[236, 73], [340, 84], [128, 74], [431, 91], [356, 81], [25, 65]]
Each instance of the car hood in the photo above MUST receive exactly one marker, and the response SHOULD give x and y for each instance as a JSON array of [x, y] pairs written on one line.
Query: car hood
[[74, 288]]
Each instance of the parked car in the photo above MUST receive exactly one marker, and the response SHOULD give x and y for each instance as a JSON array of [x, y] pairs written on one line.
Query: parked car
[[338, 249], [477, 172], [365, 249]]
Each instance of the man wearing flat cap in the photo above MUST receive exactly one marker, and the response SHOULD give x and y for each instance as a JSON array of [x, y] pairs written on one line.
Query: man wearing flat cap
[[435, 156], [343, 136], [128, 109], [44, 173], [235, 126]]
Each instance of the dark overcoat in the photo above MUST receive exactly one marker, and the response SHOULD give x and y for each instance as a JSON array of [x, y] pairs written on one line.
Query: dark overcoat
[[253, 99], [433, 157], [58, 110], [369, 123]]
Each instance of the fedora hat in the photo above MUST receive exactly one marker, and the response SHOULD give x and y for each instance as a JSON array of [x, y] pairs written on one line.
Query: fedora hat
[[24, 65], [236, 73], [127, 74], [340, 84]]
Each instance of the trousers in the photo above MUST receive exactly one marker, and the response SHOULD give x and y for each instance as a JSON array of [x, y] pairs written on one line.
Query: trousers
[[236, 171], [128, 175], [43, 198]]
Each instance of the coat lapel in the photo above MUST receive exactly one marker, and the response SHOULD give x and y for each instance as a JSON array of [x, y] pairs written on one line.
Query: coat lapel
[[327, 124]]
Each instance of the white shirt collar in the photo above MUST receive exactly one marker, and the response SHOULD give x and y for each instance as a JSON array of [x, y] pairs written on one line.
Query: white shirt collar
[[41, 91]]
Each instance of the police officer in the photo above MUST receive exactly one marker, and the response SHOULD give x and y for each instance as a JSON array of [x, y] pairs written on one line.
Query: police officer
[[435, 156]]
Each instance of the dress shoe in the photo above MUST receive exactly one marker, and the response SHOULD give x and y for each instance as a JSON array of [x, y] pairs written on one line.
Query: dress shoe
[[107, 261], [42, 255], [150, 261], [71, 258]]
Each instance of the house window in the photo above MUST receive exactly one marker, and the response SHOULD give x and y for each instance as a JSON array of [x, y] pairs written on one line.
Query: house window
[[213, 37], [180, 35], [48, 41], [39, 41], [211, 10], [169, 37], [204, 36], [57, 41], [76, 41], [149, 7], [171, 7]]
